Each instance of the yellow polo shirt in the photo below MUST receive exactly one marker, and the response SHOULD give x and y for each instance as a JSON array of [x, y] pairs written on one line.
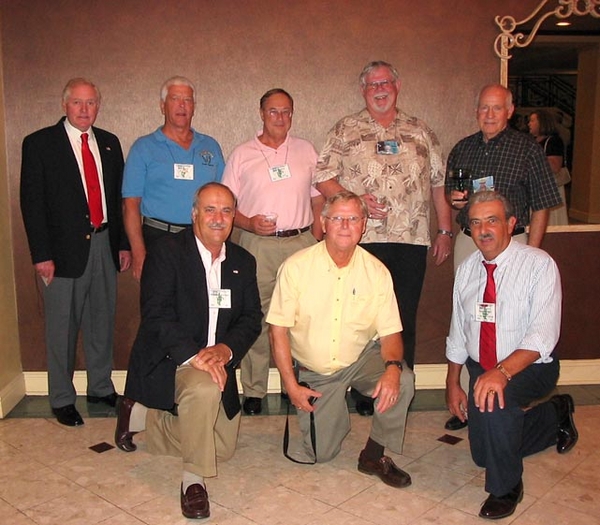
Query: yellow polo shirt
[[332, 312]]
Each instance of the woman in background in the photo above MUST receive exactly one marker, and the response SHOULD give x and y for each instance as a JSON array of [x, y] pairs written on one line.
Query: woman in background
[[543, 127]]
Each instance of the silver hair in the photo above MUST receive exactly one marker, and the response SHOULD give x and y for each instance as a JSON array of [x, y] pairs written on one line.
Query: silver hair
[[374, 65], [79, 81], [344, 196], [491, 196], [176, 81]]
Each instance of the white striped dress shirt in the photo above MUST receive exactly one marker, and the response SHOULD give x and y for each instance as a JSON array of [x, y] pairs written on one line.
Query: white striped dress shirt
[[528, 304]]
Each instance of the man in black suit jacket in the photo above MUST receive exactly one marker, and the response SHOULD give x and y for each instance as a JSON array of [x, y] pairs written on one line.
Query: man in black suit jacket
[[200, 314], [77, 257]]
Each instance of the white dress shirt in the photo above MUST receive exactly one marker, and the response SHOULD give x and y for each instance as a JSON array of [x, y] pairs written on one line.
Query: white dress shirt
[[528, 304], [75, 139]]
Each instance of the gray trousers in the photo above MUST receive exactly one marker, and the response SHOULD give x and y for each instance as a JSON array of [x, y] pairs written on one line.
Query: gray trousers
[[87, 302], [332, 420]]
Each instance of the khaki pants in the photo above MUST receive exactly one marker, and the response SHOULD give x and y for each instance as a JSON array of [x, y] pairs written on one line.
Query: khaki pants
[[269, 253], [201, 434]]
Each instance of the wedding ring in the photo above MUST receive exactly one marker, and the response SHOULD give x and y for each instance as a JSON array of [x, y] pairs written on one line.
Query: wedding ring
[[491, 392]]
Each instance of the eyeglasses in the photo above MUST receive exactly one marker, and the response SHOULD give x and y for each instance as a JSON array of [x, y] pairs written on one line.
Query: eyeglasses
[[274, 113], [350, 220], [385, 84]]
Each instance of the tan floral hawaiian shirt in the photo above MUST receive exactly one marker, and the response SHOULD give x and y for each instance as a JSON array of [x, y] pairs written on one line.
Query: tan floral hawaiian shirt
[[403, 163]]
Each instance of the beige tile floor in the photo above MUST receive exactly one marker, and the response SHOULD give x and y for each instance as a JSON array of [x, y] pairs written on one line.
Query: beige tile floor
[[49, 476]]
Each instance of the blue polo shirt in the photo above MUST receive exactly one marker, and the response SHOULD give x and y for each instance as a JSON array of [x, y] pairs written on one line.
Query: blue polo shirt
[[150, 174]]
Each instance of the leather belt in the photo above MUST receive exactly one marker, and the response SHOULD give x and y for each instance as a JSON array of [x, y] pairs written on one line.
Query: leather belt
[[517, 231], [164, 226], [99, 229], [290, 233]]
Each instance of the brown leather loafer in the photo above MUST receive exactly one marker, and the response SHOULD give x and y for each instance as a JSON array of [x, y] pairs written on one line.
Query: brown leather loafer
[[123, 437], [385, 469], [194, 503], [497, 507]]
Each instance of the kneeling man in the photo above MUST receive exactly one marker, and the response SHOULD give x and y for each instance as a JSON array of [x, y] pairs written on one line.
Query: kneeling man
[[334, 324], [505, 326], [200, 315]]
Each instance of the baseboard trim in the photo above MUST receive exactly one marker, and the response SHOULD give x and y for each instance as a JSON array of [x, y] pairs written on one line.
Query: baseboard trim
[[11, 394], [572, 372]]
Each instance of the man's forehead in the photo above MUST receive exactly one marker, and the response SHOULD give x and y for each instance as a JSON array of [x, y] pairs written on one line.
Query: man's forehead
[[215, 197], [180, 88], [484, 210], [381, 71], [83, 91], [278, 100]]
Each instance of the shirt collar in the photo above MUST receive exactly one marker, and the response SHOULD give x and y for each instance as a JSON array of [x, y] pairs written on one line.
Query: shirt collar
[[261, 145], [207, 255], [496, 139], [502, 256], [72, 131]]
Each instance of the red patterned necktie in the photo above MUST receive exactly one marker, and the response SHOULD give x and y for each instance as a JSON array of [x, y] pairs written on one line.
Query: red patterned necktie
[[487, 335], [92, 183]]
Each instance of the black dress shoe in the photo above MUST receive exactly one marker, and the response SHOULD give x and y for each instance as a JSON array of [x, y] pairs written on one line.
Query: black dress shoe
[[385, 469], [364, 404], [68, 415], [455, 424], [496, 507], [110, 399], [566, 435], [365, 408], [194, 503], [123, 437], [253, 406]]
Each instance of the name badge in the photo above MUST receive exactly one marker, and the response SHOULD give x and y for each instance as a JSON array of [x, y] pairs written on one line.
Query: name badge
[[279, 173], [485, 312], [483, 184], [387, 147], [183, 171], [219, 298]]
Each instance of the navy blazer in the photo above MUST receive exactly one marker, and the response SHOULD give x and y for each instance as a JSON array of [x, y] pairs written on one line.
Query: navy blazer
[[53, 202], [174, 325]]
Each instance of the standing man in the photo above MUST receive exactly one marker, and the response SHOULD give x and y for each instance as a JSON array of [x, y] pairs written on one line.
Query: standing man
[[164, 169], [394, 162], [271, 175], [71, 177], [200, 315], [335, 324], [505, 326], [511, 163]]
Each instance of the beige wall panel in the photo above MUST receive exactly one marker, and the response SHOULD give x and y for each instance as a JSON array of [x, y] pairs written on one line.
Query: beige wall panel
[[234, 51]]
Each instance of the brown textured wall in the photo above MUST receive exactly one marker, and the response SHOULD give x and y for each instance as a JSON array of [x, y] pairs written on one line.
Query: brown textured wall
[[235, 51]]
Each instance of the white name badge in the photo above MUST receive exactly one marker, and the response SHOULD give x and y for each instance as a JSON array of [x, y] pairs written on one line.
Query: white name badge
[[219, 298], [183, 171], [485, 312], [483, 184], [279, 173]]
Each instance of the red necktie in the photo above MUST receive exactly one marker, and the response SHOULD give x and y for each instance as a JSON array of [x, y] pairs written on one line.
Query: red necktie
[[92, 183], [487, 335]]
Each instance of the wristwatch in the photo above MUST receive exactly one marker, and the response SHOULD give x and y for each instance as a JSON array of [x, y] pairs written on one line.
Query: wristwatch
[[445, 232], [395, 363]]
